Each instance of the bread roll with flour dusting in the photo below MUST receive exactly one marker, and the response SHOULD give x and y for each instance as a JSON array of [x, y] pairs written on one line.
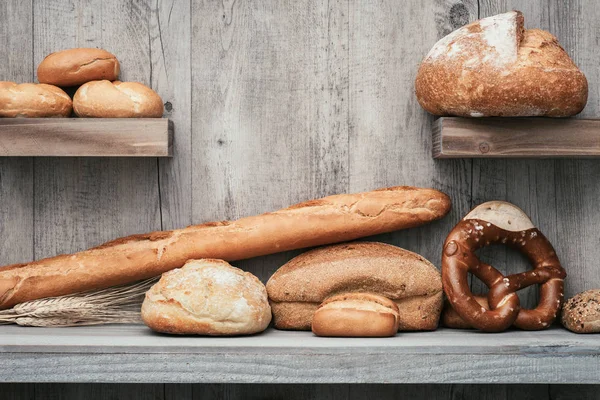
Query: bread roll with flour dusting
[[207, 297], [495, 67]]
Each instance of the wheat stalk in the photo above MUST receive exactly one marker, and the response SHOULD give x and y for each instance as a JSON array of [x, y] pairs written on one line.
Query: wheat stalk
[[120, 304]]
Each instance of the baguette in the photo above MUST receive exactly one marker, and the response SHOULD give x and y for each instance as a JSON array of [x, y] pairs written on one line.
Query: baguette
[[331, 219]]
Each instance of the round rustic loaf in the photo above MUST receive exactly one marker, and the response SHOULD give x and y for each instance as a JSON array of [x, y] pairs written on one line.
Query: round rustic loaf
[[356, 315], [104, 99], [207, 297], [298, 288], [75, 67], [494, 67], [581, 313], [33, 100]]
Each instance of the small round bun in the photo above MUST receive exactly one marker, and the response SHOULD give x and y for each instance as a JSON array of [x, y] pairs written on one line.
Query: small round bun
[[356, 315], [104, 99], [581, 313], [32, 100], [207, 297], [75, 67]]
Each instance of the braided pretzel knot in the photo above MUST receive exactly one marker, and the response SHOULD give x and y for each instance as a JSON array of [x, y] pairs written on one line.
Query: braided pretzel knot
[[498, 222]]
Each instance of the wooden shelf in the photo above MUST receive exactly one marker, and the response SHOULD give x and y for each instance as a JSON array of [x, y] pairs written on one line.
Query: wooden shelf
[[86, 137], [515, 137], [132, 353]]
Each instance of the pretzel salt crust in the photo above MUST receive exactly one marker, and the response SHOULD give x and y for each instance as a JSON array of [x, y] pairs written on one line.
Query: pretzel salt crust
[[497, 222]]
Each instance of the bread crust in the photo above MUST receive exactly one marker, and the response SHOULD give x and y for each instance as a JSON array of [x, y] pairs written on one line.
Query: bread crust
[[581, 313], [493, 67], [74, 67], [207, 297], [331, 219], [356, 315], [413, 283], [104, 99], [451, 319], [32, 100]]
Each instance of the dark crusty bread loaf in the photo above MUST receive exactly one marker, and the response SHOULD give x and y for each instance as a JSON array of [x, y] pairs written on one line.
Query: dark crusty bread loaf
[[74, 67], [298, 288], [328, 220], [32, 100], [494, 67]]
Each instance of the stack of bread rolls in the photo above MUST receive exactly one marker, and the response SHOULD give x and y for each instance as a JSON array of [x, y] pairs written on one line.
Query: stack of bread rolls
[[100, 94]]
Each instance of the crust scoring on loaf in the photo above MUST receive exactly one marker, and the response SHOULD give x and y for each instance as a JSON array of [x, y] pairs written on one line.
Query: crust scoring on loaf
[[493, 67]]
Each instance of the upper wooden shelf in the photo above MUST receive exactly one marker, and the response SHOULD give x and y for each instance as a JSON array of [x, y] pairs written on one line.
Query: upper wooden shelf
[[86, 137], [515, 137], [132, 353]]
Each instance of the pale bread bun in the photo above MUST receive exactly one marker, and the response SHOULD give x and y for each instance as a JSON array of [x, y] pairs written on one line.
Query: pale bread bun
[[104, 99], [356, 315], [298, 288], [494, 67], [207, 297], [74, 67], [33, 100]]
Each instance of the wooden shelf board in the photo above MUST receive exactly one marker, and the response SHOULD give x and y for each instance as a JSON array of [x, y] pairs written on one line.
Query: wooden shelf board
[[86, 137], [515, 137], [132, 353]]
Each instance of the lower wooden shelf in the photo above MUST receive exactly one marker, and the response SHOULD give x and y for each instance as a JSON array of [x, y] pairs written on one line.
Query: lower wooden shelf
[[515, 137], [86, 137], [132, 353]]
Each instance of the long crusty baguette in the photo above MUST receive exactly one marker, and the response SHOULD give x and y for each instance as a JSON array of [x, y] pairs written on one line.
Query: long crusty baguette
[[331, 219]]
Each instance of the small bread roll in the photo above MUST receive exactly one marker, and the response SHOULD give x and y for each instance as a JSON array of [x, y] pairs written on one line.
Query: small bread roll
[[356, 315], [104, 99], [207, 297], [75, 67], [33, 100], [581, 313]]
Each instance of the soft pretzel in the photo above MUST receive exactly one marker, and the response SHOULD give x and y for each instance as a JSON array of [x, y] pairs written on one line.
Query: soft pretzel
[[499, 222]]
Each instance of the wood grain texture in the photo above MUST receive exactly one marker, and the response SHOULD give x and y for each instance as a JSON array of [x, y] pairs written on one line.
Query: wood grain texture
[[515, 137], [86, 137]]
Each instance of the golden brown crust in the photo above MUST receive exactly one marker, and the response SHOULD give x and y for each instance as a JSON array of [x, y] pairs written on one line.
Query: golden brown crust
[[451, 319], [296, 289], [340, 218], [33, 100], [104, 99], [581, 313], [500, 70], [356, 315], [207, 297], [74, 67]]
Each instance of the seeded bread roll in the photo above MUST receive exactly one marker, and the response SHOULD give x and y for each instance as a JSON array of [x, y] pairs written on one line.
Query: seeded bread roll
[[207, 297], [494, 67], [298, 288], [581, 313], [32, 100], [75, 67], [356, 315], [104, 99]]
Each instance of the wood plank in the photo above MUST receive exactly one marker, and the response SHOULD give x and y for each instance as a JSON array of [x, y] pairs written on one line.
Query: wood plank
[[98, 391], [269, 108], [86, 137], [132, 353], [515, 137]]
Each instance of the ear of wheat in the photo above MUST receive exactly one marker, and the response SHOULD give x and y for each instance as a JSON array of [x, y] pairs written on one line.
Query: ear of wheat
[[115, 305]]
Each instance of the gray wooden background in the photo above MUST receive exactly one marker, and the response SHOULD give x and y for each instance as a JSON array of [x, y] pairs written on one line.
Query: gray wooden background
[[276, 102]]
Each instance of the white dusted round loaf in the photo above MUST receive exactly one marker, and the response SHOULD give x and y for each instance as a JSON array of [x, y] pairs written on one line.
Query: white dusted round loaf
[[207, 297], [494, 67], [104, 99]]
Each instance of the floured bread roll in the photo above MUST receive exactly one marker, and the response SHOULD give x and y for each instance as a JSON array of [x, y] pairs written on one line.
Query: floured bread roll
[[494, 67], [104, 99], [207, 297]]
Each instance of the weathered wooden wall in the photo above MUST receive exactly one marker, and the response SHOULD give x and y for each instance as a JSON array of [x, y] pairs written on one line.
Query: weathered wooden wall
[[276, 102]]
